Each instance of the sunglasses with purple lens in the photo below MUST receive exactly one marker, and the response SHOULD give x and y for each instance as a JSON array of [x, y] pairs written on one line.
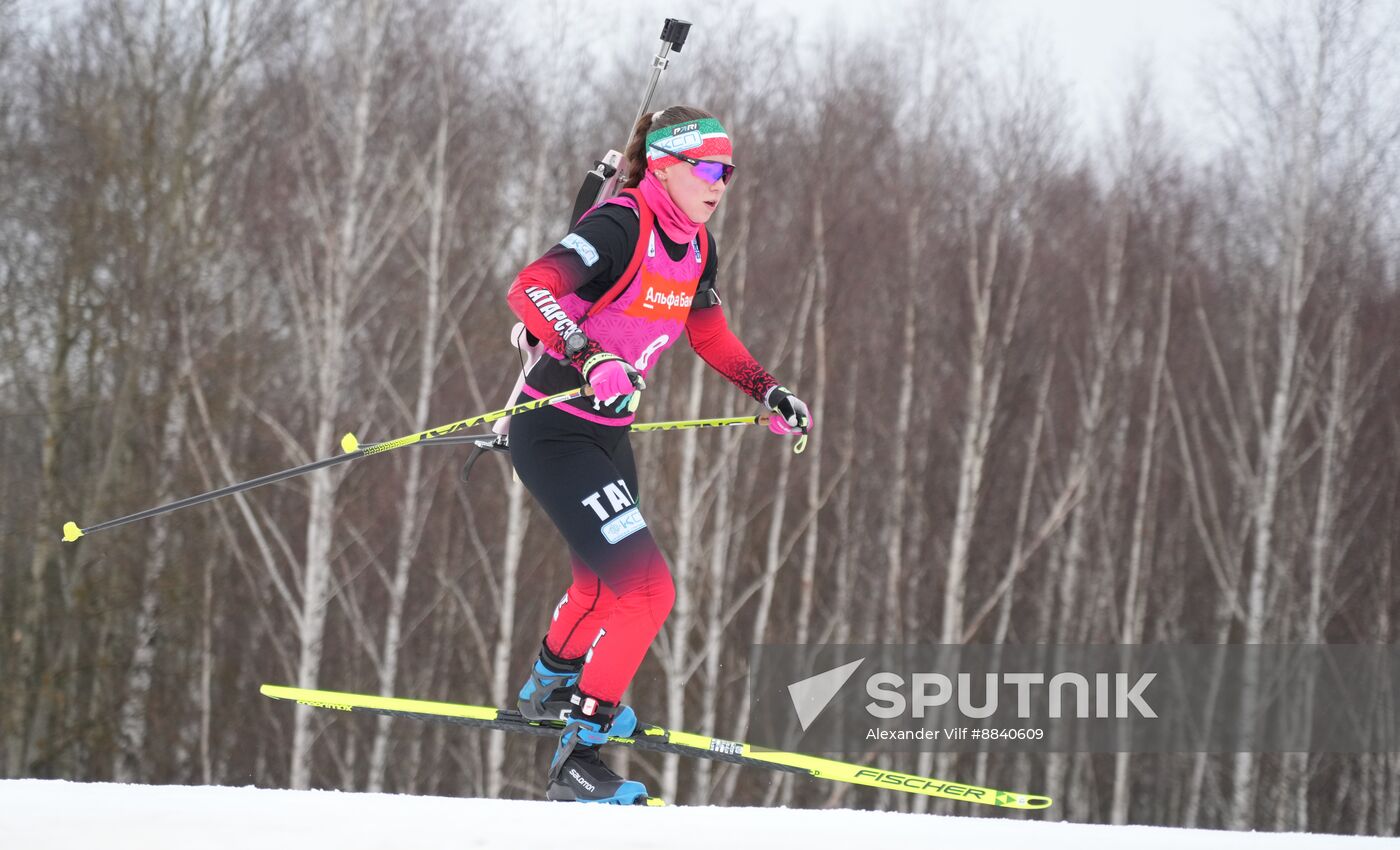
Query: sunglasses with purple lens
[[705, 169]]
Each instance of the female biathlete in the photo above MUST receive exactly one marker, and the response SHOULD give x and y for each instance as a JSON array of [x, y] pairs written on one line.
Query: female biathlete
[[575, 457]]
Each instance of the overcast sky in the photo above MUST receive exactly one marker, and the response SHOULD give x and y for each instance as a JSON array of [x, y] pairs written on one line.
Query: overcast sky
[[1096, 44]]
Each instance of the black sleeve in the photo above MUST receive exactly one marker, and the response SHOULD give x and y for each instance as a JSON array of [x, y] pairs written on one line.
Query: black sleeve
[[611, 231]]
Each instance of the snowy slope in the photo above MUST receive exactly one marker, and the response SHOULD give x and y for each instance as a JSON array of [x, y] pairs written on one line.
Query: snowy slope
[[50, 815]]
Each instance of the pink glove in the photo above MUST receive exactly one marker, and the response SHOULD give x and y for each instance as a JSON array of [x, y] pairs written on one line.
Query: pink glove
[[778, 425], [790, 414], [611, 378]]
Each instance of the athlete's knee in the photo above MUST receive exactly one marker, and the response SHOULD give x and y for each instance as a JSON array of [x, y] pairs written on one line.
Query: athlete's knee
[[661, 591], [645, 587], [585, 593], [665, 594]]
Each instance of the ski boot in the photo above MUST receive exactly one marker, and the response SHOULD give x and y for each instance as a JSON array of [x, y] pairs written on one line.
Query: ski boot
[[545, 696], [576, 773]]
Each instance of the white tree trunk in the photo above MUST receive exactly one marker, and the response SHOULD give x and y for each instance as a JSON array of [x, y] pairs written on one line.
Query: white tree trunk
[[348, 267], [899, 436], [1293, 285], [977, 422], [1069, 624], [131, 715], [817, 396], [815, 393], [315, 597], [27, 714], [517, 522], [1336, 441], [1139, 559], [677, 664], [723, 540], [773, 554], [412, 508]]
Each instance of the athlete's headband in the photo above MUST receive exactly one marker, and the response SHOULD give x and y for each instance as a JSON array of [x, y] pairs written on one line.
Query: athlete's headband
[[698, 139]]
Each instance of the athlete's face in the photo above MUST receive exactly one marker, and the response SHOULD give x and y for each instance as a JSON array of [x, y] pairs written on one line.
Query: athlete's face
[[696, 198]]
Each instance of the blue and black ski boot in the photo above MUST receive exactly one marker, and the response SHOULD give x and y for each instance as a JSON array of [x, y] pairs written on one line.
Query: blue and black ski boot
[[576, 773], [545, 696]]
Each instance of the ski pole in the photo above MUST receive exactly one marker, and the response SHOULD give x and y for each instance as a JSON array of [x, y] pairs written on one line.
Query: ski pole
[[348, 443], [674, 425], [724, 422], [501, 443]]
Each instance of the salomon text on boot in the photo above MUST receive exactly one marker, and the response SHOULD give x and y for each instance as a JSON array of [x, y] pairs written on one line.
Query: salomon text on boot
[[577, 773]]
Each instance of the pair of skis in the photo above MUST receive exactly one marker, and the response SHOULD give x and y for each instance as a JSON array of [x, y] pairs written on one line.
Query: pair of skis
[[662, 740]]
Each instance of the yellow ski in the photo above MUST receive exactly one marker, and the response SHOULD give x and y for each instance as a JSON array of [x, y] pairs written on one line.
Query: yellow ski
[[659, 739]]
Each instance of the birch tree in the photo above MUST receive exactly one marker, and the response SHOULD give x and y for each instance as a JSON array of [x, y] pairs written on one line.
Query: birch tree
[[1293, 67], [357, 207], [441, 178], [190, 90]]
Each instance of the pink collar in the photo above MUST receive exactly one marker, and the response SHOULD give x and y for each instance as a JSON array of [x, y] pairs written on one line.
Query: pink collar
[[676, 224]]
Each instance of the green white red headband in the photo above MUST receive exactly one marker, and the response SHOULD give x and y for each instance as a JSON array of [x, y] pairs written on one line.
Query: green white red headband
[[698, 139]]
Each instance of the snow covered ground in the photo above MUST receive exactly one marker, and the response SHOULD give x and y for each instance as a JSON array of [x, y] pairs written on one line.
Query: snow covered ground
[[51, 815]]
